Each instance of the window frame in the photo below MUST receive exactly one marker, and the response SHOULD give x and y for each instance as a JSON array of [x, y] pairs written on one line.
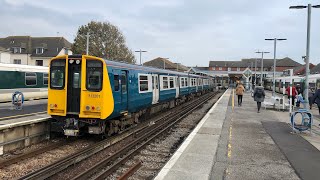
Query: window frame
[[18, 50], [25, 78], [43, 78], [87, 80], [42, 50], [149, 84], [64, 74], [38, 60], [17, 60], [114, 80]]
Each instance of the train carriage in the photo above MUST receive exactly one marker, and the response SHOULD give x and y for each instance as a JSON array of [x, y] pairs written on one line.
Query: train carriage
[[89, 94]]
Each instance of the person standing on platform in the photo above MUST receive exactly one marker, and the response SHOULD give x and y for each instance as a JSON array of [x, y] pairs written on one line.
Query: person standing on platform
[[239, 92], [259, 95], [294, 93], [316, 99], [310, 97]]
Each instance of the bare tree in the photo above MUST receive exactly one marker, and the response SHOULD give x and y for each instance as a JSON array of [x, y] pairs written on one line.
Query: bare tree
[[106, 40]]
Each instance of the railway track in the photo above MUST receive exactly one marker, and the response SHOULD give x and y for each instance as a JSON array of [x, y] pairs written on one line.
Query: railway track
[[33, 153], [137, 138]]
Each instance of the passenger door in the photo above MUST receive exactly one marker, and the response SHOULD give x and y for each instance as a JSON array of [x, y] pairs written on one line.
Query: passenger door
[[74, 87], [155, 88], [177, 86], [124, 91]]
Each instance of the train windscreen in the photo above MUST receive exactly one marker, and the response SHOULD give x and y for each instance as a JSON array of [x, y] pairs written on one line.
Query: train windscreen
[[57, 74]]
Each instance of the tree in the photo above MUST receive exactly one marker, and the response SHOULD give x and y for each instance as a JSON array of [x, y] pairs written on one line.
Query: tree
[[106, 40]]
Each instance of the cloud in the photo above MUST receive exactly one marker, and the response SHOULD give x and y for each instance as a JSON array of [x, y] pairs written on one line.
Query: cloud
[[190, 32]]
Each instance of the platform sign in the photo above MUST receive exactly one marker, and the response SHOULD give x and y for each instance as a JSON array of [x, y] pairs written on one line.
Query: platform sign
[[247, 73]]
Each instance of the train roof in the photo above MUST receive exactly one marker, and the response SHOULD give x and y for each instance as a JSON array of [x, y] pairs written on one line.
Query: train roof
[[23, 68], [149, 69]]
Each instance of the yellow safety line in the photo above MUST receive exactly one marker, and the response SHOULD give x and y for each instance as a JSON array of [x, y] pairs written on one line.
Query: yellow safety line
[[232, 99], [229, 144], [21, 115]]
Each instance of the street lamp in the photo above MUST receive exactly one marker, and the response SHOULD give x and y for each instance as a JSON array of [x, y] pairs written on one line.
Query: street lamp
[[308, 46], [274, 62], [140, 51], [261, 52], [164, 62]]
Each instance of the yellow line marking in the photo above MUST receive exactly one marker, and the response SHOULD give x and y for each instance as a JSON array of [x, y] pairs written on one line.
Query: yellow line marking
[[21, 115], [232, 99]]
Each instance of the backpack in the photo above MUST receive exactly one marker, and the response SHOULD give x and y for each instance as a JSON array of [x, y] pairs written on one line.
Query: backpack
[[259, 93]]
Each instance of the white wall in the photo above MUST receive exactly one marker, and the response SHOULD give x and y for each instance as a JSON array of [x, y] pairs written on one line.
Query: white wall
[[25, 58], [4, 57]]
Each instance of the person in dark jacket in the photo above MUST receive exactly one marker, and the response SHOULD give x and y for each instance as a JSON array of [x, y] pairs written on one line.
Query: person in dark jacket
[[316, 99], [259, 95]]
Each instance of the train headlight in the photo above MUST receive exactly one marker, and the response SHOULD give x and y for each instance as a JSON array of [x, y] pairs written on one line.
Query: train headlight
[[51, 106], [87, 108], [77, 61], [98, 108], [71, 61]]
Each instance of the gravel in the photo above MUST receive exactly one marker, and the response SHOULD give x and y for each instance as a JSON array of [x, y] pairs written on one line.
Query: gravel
[[26, 166]]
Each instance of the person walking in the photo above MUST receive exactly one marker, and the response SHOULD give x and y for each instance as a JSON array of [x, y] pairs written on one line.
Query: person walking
[[316, 98], [259, 95], [239, 92], [294, 93], [310, 97]]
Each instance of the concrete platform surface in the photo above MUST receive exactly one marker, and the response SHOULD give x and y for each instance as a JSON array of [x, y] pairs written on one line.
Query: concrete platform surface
[[239, 143], [7, 111], [195, 157]]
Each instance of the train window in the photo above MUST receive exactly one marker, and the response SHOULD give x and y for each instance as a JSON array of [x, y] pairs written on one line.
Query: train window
[[171, 82], [124, 83], [116, 82], [181, 82], [57, 73], [31, 79], [165, 83], [94, 75], [143, 83], [76, 80], [45, 79]]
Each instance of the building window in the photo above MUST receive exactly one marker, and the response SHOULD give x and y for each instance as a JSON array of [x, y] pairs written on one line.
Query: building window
[[220, 68], [229, 68], [39, 50], [143, 83], [16, 50], [39, 62], [17, 61], [31, 79], [238, 69], [213, 68]]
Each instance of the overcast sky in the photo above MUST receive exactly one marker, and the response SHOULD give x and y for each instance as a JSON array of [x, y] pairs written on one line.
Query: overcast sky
[[191, 32]]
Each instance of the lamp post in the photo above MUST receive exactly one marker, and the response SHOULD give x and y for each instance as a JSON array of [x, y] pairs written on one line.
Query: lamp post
[[255, 72], [262, 52], [140, 51], [274, 62], [164, 62], [308, 46], [87, 49]]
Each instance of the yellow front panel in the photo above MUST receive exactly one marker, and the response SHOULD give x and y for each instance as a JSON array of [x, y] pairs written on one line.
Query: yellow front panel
[[57, 99], [101, 101]]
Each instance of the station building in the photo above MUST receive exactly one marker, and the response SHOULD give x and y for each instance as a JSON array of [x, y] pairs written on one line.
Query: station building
[[226, 72]]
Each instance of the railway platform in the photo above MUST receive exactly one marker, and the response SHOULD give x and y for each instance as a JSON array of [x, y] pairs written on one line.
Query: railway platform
[[29, 94], [236, 142]]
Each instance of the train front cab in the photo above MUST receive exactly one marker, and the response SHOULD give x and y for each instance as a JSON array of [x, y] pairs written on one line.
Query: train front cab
[[79, 93]]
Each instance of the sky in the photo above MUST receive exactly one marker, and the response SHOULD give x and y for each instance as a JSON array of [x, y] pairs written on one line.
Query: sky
[[191, 32]]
